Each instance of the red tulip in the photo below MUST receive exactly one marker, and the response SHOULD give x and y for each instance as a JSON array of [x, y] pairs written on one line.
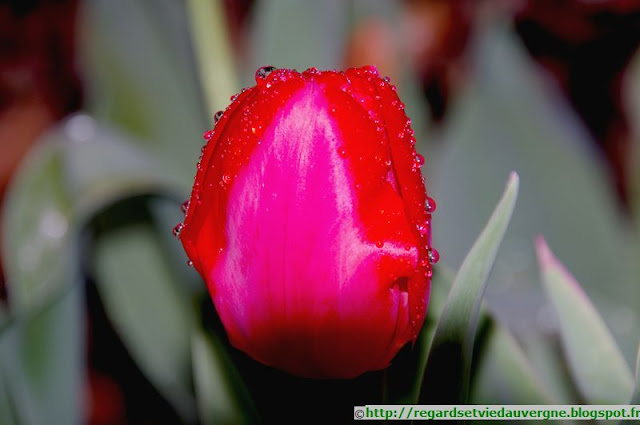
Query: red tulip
[[310, 223]]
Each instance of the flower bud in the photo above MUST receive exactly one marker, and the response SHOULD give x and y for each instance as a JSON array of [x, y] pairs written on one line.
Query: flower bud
[[310, 223]]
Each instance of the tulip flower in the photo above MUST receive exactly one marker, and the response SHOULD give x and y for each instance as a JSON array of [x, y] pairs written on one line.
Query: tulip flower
[[310, 223]]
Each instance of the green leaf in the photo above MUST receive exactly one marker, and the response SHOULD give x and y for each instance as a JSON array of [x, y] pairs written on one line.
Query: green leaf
[[36, 230], [42, 333], [75, 171], [148, 310], [507, 117], [222, 397], [446, 376], [6, 409], [43, 361], [596, 363], [503, 373], [544, 351], [140, 76], [213, 52], [272, 42]]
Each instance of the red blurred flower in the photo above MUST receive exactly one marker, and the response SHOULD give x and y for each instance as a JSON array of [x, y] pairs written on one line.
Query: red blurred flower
[[310, 223]]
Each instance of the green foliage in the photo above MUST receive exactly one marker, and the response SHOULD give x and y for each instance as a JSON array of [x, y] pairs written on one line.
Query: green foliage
[[152, 316], [222, 397], [509, 118], [446, 377], [597, 365]]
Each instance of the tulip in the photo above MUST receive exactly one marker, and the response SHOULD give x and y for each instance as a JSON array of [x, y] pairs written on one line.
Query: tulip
[[310, 223]]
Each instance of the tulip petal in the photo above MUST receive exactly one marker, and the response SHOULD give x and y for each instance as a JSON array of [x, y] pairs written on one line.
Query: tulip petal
[[294, 240]]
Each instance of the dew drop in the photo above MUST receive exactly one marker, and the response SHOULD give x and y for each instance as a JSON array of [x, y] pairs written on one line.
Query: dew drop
[[379, 244], [419, 160], [430, 205], [386, 79], [207, 135], [312, 70], [423, 228], [190, 263], [342, 152], [264, 72], [217, 116], [434, 255], [177, 229], [184, 207], [224, 180]]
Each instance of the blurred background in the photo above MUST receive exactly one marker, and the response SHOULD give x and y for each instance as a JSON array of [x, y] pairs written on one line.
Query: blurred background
[[102, 108]]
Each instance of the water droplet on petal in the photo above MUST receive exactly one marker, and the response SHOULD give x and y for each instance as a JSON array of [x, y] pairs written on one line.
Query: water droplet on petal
[[217, 116], [207, 135], [177, 229], [225, 180], [423, 228], [420, 160], [342, 152], [386, 79], [264, 72], [311, 71], [434, 255], [379, 244], [430, 205], [190, 263], [184, 207]]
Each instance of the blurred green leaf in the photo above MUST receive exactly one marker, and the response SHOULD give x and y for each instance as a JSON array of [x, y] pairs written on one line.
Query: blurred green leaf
[[43, 361], [298, 34], [140, 76], [446, 376], [36, 230], [6, 409], [77, 170], [210, 37], [222, 397], [149, 312], [545, 354], [42, 334], [508, 117], [503, 372], [596, 363]]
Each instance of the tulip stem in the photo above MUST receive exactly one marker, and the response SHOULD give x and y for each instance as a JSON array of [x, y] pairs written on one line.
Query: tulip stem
[[210, 38]]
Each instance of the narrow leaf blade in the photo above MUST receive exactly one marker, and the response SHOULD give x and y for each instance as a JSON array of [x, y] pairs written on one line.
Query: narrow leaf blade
[[452, 346], [595, 360]]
